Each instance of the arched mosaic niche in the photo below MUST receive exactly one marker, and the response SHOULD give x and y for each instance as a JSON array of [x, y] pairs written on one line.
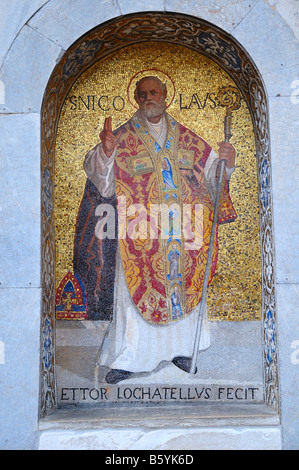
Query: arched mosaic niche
[[207, 40]]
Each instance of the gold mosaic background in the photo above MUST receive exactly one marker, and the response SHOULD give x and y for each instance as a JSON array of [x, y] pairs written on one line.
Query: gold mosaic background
[[235, 293]]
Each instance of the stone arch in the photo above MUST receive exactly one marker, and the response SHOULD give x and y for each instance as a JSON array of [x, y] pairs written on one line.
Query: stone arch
[[201, 36]]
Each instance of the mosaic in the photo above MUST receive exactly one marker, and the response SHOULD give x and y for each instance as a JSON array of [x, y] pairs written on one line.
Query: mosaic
[[62, 288], [192, 81]]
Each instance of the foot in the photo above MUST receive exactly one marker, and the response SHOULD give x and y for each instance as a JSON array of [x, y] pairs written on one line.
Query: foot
[[117, 375], [183, 363]]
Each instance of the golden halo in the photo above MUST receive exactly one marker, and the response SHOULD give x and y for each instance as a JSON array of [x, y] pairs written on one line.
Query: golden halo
[[163, 76]]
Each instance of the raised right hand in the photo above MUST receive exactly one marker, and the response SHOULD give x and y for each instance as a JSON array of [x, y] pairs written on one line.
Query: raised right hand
[[109, 140]]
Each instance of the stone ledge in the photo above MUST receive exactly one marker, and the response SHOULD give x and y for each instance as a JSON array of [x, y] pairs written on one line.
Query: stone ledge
[[212, 415], [213, 427]]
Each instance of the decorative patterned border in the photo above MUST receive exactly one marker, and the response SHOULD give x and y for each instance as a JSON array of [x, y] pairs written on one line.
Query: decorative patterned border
[[206, 39]]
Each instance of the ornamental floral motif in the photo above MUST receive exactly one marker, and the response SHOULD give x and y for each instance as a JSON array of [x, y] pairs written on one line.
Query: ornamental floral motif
[[196, 34], [47, 344], [265, 183], [270, 337], [47, 193], [80, 57], [49, 118], [268, 260], [216, 46], [48, 268]]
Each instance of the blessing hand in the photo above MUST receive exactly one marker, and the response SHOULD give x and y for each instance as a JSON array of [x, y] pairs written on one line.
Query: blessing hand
[[109, 140]]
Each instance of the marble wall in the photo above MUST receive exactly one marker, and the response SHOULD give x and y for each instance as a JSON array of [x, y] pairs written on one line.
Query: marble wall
[[35, 34]]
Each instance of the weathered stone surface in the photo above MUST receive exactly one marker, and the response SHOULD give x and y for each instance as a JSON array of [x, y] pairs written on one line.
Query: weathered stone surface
[[20, 332], [20, 200], [126, 6], [26, 71], [267, 38], [13, 16], [223, 438], [226, 15], [64, 22], [284, 149], [288, 342]]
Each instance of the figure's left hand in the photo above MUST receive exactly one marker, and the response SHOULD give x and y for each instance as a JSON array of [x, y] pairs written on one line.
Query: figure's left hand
[[227, 152]]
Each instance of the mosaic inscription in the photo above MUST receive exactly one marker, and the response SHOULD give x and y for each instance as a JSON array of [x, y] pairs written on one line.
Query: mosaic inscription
[[103, 91], [111, 99], [101, 266]]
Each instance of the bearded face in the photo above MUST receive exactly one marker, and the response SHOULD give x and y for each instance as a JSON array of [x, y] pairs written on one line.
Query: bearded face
[[151, 109], [151, 98]]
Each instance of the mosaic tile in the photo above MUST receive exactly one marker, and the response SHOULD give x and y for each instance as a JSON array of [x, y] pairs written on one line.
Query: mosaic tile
[[106, 89]]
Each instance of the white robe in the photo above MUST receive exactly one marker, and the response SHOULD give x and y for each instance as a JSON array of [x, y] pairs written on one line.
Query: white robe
[[131, 343]]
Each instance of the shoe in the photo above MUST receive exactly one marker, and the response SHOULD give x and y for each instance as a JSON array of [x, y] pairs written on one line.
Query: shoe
[[184, 363], [116, 375]]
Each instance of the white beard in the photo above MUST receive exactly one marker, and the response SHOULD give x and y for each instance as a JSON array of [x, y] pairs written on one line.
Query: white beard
[[155, 110]]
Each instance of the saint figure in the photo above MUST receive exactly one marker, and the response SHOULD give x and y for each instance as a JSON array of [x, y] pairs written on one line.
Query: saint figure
[[176, 304], [127, 278], [174, 263]]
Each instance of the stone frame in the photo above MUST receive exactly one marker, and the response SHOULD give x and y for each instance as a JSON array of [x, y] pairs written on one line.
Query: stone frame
[[207, 39]]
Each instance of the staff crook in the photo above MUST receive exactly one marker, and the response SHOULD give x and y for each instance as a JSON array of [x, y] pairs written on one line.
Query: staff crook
[[230, 98]]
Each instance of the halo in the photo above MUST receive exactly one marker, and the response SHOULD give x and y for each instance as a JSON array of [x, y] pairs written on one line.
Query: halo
[[163, 76]]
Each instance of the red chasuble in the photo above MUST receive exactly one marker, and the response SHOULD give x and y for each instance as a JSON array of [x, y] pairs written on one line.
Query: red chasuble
[[165, 216]]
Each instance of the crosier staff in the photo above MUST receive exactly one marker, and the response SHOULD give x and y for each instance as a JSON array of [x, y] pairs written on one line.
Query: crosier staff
[[230, 98]]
